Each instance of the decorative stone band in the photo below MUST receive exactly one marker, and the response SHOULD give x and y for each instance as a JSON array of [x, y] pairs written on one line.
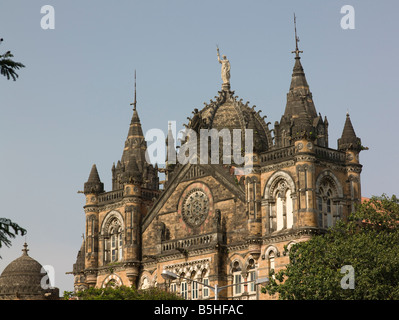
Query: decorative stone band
[[189, 266], [202, 240]]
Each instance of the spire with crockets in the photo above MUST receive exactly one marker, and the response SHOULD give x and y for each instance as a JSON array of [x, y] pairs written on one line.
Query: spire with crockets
[[349, 140], [133, 164], [93, 184], [300, 119]]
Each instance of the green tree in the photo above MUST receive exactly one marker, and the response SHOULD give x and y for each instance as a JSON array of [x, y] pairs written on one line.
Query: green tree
[[9, 230], [8, 66], [368, 241], [122, 293]]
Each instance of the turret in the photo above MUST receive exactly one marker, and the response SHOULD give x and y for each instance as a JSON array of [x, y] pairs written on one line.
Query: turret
[[300, 120], [135, 150], [93, 184], [351, 145], [92, 188], [349, 142]]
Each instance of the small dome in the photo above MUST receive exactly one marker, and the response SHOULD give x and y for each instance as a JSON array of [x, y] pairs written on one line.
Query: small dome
[[22, 279]]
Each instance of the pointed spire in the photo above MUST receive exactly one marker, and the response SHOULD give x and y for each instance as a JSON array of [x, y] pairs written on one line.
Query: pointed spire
[[300, 119], [169, 138], [93, 184], [135, 130], [94, 176], [170, 147], [349, 140], [298, 80], [133, 166], [134, 153], [299, 98], [348, 132]]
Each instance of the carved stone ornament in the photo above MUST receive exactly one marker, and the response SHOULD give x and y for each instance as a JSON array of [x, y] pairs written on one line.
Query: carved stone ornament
[[195, 208]]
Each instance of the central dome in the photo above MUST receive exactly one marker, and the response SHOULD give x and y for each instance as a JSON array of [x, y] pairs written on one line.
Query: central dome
[[226, 112]]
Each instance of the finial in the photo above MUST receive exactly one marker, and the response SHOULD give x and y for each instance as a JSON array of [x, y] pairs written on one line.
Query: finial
[[25, 249], [297, 51], [134, 103]]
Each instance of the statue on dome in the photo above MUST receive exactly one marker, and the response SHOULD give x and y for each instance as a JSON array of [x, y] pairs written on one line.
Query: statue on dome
[[225, 67]]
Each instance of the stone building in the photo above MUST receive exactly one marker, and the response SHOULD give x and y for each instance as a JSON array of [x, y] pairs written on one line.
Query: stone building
[[25, 279], [213, 223]]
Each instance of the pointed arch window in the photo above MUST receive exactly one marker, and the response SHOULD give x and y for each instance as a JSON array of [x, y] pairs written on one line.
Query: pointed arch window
[[283, 207], [327, 211], [113, 246]]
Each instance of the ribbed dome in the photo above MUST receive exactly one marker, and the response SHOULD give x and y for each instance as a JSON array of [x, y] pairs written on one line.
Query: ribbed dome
[[22, 278], [229, 113]]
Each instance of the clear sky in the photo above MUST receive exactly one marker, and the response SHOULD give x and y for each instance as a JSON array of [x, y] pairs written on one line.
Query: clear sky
[[70, 107]]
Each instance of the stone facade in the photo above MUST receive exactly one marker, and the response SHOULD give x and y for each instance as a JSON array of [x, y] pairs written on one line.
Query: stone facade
[[210, 223]]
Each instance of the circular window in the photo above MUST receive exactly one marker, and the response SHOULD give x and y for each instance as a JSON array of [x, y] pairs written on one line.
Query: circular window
[[195, 208]]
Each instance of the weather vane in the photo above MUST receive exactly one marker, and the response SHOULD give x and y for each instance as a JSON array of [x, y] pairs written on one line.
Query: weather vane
[[297, 51], [134, 103]]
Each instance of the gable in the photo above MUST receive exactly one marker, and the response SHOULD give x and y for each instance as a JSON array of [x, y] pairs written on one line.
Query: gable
[[167, 202]]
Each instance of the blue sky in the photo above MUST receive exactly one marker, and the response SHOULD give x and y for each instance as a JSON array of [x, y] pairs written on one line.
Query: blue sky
[[70, 107]]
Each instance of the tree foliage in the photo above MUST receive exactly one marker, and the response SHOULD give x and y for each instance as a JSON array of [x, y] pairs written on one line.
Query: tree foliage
[[123, 293], [368, 241], [9, 230], [8, 66]]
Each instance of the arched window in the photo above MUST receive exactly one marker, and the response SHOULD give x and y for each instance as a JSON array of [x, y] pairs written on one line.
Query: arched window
[[111, 284], [325, 203], [194, 286], [251, 276], [283, 206], [237, 279], [280, 198], [113, 241], [116, 243], [330, 199], [113, 281], [183, 287]]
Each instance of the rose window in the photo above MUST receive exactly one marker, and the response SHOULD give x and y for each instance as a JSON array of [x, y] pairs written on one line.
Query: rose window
[[195, 208]]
